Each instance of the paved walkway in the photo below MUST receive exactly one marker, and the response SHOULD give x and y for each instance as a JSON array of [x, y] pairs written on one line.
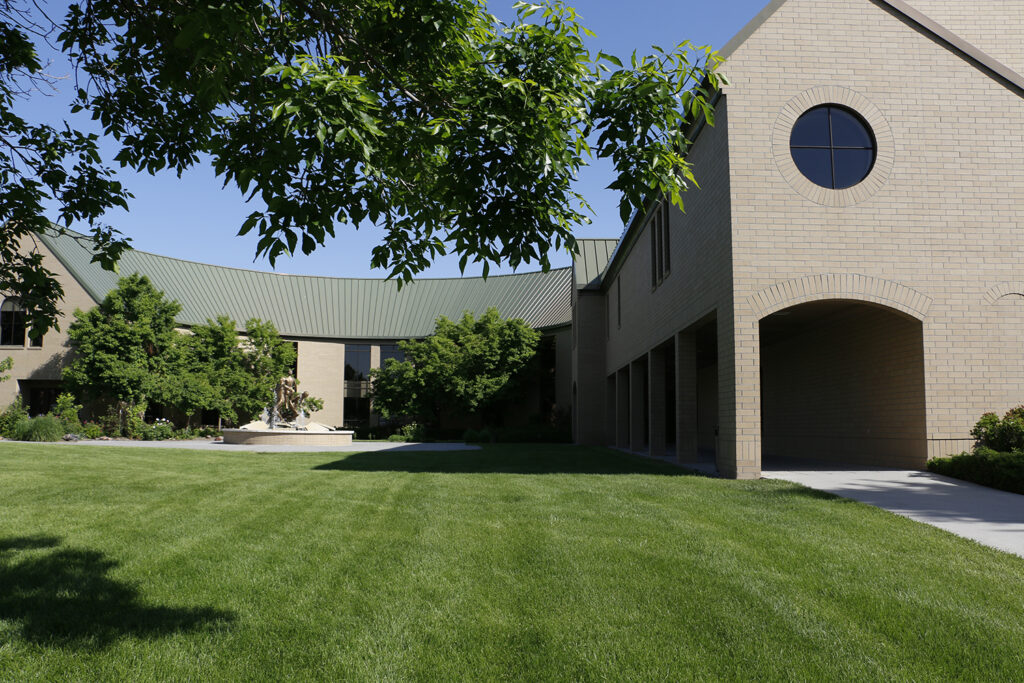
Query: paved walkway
[[994, 518], [207, 445]]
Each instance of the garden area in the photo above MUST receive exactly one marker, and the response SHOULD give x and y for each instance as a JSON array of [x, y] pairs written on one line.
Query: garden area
[[540, 562], [997, 459]]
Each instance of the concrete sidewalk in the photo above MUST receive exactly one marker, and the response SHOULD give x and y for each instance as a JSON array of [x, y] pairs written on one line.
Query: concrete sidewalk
[[994, 518], [220, 447]]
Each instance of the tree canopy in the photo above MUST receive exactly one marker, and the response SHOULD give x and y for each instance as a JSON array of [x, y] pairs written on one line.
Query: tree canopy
[[128, 354], [452, 130], [466, 366]]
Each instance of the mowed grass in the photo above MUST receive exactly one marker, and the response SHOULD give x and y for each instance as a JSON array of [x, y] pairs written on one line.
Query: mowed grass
[[515, 562]]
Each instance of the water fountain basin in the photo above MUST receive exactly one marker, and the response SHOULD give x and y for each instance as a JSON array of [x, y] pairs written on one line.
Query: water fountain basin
[[259, 433]]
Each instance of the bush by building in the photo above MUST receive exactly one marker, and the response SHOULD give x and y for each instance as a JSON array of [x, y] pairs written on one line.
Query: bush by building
[[998, 457], [43, 428], [1004, 471]]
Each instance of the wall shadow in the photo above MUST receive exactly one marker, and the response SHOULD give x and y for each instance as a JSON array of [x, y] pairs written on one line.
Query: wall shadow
[[524, 459], [64, 597]]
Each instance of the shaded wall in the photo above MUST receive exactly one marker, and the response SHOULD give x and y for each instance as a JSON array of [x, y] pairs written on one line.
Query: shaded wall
[[844, 383]]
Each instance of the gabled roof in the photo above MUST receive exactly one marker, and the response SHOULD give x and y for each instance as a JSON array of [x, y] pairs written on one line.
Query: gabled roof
[[589, 264], [325, 307], [985, 62]]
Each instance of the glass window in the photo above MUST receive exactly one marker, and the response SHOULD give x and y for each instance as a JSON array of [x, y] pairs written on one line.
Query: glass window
[[357, 362], [391, 351], [357, 411], [658, 226], [833, 147], [12, 323]]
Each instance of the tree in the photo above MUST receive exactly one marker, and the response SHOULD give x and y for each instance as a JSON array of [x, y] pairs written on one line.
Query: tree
[[42, 166], [243, 372], [121, 347], [450, 129], [471, 365]]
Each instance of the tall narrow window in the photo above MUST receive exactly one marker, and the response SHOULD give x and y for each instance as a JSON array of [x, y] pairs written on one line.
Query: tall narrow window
[[12, 323], [357, 362], [618, 302], [666, 249], [658, 226]]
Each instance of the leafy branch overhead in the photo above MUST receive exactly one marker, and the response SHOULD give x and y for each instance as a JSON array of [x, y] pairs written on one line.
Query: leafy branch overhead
[[452, 130], [44, 169]]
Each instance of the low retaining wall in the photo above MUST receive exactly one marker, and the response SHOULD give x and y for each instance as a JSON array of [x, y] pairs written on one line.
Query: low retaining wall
[[286, 437]]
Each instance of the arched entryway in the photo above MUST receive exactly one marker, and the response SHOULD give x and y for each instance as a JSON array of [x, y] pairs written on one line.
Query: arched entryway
[[842, 381]]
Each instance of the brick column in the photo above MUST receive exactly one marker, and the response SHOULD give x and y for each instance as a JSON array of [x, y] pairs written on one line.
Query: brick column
[[622, 408], [656, 408], [739, 399], [686, 397], [637, 399]]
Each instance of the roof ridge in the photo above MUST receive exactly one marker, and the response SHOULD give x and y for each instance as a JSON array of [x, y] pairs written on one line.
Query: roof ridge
[[75, 235]]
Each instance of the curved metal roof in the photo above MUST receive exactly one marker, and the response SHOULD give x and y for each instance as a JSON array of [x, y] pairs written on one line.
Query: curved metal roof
[[325, 307]]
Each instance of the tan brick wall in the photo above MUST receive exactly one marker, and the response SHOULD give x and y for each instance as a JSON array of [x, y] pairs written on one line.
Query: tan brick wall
[[322, 374], [588, 372], [934, 231], [699, 280], [996, 28], [945, 223], [46, 362]]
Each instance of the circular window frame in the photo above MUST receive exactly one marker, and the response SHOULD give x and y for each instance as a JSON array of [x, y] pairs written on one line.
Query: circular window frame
[[869, 113]]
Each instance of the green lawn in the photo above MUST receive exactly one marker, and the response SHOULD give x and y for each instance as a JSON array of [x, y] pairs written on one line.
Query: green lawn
[[518, 562]]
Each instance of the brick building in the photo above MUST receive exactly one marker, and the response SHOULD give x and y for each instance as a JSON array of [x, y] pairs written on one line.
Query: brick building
[[849, 283]]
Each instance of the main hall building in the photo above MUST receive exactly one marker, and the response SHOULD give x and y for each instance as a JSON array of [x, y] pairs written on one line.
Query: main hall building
[[848, 285]]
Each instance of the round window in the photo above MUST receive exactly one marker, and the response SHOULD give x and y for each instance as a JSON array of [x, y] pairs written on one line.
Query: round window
[[833, 146]]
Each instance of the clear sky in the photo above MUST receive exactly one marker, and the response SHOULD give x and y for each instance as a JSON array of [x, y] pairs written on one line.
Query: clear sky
[[193, 218]]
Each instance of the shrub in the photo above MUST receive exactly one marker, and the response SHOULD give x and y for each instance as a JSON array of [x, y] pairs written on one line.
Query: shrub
[[413, 431], [11, 416], [410, 432], [1003, 435], [91, 430], [478, 436], [984, 466], [44, 428], [66, 410], [160, 430]]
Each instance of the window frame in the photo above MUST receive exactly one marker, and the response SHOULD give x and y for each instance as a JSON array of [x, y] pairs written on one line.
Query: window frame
[[11, 306], [832, 147], [661, 246]]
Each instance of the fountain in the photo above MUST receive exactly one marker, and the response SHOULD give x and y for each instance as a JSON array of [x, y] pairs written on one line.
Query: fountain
[[274, 429]]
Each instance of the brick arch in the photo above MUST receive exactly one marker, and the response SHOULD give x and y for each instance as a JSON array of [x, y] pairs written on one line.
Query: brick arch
[[840, 286], [1004, 290]]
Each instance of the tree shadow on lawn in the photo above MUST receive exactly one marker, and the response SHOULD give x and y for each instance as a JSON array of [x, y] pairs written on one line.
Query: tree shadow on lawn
[[63, 597], [521, 459]]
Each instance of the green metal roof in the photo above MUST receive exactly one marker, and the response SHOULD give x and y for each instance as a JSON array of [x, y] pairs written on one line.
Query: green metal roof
[[325, 307], [591, 261]]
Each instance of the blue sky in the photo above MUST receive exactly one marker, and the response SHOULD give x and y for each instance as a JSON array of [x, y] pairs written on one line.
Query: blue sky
[[193, 218]]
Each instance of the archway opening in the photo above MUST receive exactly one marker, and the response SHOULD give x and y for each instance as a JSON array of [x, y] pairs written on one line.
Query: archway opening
[[842, 383]]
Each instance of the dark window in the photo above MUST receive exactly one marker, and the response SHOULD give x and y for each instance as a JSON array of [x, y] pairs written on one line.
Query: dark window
[[12, 323], [357, 411], [391, 351], [618, 302], [833, 147], [357, 362], [658, 226], [667, 232]]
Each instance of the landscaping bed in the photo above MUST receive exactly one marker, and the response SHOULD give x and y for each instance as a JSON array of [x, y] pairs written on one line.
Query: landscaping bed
[[1004, 471]]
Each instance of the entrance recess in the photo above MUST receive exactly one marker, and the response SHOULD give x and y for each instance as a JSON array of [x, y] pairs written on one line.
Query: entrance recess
[[842, 382]]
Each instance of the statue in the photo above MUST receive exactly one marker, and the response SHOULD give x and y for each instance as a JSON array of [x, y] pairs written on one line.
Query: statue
[[289, 404]]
